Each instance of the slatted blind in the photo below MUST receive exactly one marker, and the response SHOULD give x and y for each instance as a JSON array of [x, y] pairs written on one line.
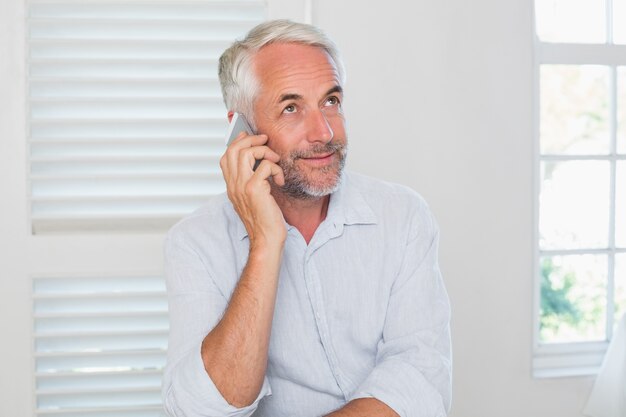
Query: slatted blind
[[126, 117], [100, 345]]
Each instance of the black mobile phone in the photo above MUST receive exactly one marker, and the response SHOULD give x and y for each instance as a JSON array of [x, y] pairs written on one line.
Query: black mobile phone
[[237, 125]]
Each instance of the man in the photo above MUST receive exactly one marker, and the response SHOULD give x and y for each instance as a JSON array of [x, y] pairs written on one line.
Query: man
[[305, 291]]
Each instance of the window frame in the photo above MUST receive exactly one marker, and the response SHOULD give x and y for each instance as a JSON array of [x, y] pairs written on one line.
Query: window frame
[[575, 358]]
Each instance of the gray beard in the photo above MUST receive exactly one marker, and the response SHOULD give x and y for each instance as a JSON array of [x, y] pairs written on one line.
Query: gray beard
[[298, 186]]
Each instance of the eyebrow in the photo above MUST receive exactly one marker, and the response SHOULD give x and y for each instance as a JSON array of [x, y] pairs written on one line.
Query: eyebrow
[[335, 89], [293, 96], [287, 97]]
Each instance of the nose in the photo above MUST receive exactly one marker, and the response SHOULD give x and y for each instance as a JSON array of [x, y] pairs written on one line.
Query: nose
[[318, 128]]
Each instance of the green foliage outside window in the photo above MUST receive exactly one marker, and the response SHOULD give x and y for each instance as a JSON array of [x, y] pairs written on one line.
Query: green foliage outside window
[[556, 307]]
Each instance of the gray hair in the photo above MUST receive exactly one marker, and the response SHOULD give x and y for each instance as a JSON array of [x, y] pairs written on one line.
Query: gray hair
[[237, 79]]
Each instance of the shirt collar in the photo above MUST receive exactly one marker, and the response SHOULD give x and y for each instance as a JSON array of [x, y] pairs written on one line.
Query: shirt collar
[[347, 207]]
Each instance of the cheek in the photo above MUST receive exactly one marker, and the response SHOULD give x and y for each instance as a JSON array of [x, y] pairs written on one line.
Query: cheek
[[286, 135], [338, 125], [280, 143]]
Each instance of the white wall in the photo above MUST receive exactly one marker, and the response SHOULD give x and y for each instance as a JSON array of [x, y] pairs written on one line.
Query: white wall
[[15, 317], [439, 97]]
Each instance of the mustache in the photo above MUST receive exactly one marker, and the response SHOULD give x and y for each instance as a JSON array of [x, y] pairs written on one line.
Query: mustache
[[317, 149]]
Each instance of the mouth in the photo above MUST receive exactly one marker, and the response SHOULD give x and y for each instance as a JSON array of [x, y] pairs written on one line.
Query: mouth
[[321, 159], [322, 156]]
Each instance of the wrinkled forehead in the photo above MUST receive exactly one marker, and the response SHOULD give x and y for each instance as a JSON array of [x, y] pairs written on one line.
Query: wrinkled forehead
[[291, 61]]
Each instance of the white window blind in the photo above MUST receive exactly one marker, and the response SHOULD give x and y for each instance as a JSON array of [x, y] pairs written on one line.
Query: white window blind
[[126, 119], [100, 345]]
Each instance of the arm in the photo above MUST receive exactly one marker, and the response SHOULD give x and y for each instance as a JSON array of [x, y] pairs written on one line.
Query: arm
[[365, 407], [412, 374], [233, 355]]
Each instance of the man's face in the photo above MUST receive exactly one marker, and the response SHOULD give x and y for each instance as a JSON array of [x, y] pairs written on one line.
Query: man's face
[[298, 106]]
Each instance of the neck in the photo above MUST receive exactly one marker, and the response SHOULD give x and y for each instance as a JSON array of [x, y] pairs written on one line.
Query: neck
[[303, 214]]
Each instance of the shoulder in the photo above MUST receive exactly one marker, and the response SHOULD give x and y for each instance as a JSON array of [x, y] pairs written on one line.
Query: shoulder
[[213, 219], [379, 193], [393, 203]]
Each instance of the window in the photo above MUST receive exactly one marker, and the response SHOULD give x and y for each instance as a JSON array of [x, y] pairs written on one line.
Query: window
[[581, 182]]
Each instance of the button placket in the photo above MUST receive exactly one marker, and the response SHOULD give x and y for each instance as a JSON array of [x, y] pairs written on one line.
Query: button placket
[[315, 293]]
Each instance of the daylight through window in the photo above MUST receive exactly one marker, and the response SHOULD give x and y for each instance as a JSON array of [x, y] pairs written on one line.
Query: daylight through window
[[581, 124]]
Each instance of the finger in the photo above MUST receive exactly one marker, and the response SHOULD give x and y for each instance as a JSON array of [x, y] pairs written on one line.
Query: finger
[[245, 140], [249, 156], [232, 152], [240, 136], [269, 169], [264, 152]]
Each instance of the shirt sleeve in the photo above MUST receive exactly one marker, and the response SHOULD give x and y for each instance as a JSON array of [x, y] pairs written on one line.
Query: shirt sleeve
[[195, 306], [412, 374]]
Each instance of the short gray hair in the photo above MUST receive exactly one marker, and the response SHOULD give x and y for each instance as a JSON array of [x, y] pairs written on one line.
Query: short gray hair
[[237, 79]]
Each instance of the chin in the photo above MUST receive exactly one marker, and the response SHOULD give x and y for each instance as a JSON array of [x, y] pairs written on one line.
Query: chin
[[307, 183], [314, 185], [322, 190]]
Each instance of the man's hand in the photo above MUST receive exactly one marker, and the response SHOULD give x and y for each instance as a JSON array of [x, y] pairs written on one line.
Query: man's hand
[[249, 190]]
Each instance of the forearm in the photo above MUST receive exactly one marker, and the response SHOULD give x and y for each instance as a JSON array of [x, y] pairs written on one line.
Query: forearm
[[235, 351], [364, 407]]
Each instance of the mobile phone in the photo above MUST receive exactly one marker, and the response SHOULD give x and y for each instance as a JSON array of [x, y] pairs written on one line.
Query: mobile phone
[[237, 125]]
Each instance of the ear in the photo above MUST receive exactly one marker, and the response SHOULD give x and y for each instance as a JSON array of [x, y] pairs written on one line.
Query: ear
[[230, 115]]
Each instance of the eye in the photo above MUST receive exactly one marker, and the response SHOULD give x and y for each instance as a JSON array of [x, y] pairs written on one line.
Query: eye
[[290, 109], [332, 101]]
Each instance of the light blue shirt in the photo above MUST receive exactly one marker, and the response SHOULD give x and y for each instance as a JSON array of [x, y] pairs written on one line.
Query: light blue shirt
[[361, 311]]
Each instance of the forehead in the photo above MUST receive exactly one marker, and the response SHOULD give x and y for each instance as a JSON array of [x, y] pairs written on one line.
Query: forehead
[[289, 66]]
